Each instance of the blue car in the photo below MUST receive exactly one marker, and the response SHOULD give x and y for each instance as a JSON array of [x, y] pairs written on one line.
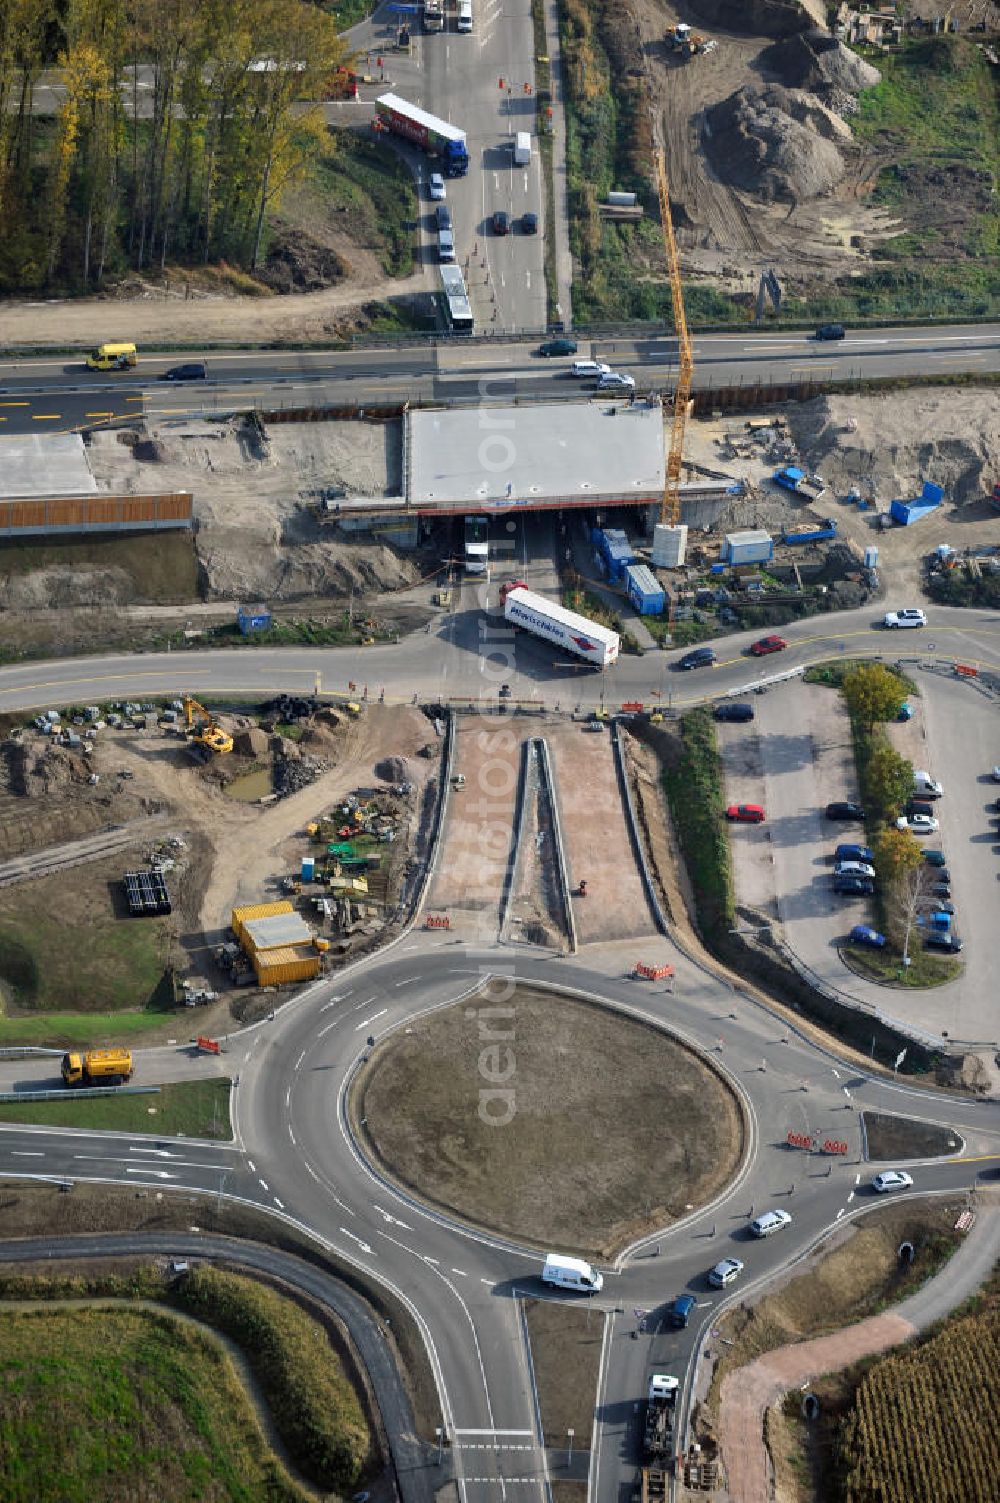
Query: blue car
[[905, 711], [864, 934], [854, 853]]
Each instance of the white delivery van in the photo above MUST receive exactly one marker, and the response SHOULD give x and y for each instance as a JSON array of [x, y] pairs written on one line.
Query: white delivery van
[[465, 15], [522, 149], [571, 1273], [446, 245]]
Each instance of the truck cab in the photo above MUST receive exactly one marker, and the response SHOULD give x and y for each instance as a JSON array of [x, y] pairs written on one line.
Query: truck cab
[[464, 22]]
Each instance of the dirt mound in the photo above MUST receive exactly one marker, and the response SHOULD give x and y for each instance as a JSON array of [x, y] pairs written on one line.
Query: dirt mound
[[298, 263], [393, 770], [816, 61], [251, 742], [37, 772], [762, 18], [775, 143]]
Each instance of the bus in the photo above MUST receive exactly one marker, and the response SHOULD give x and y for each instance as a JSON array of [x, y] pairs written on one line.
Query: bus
[[477, 545], [458, 309]]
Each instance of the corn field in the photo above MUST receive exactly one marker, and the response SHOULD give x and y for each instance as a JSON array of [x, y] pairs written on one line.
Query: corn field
[[924, 1428]]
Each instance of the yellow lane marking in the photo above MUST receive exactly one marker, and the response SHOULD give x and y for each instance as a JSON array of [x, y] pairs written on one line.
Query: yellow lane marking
[[15, 404], [98, 414], [46, 417]]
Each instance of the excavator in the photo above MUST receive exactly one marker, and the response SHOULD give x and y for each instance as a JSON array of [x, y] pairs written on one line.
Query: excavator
[[204, 729]]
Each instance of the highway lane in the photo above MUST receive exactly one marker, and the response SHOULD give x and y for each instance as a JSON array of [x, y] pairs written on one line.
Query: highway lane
[[41, 394]]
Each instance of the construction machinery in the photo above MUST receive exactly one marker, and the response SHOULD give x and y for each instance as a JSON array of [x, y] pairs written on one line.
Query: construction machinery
[[98, 1067], [688, 43], [670, 512], [203, 728]]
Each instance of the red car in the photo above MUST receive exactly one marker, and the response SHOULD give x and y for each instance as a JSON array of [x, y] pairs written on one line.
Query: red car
[[767, 644], [748, 814]]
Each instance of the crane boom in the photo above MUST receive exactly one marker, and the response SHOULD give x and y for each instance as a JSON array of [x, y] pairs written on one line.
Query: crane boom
[[671, 508]]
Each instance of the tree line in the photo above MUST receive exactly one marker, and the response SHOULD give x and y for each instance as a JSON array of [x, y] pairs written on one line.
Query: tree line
[[171, 132]]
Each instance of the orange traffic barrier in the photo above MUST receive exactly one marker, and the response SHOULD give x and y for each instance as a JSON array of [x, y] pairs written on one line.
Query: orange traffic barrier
[[965, 670], [652, 972], [210, 1046], [437, 921], [799, 1140], [834, 1145]]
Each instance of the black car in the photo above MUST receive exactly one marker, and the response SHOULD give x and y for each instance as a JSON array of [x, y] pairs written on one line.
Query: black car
[[851, 885], [845, 811], [920, 806], [698, 657], [941, 890], [195, 370], [558, 347], [944, 940], [443, 216], [501, 223], [741, 713], [529, 224], [830, 331]]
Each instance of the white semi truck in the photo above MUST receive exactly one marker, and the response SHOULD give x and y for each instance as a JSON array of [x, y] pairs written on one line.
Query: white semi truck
[[597, 645]]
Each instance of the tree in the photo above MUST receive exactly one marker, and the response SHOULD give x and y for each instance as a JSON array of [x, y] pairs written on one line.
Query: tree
[[896, 854], [888, 779], [908, 900], [873, 694]]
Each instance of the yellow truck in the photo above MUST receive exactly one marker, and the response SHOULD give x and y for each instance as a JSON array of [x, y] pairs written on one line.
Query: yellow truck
[[98, 1067]]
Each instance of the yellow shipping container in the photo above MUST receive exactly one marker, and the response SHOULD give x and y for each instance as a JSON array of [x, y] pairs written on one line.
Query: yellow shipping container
[[279, 967], [256, 911]]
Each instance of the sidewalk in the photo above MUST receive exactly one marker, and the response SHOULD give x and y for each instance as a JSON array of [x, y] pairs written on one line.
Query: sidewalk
[[560, 191], [749, 1392]]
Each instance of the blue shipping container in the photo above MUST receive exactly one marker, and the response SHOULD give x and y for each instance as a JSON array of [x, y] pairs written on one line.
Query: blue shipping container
[[644, 590], [308, 868], [616, 550], [908, 512], [253, 618]]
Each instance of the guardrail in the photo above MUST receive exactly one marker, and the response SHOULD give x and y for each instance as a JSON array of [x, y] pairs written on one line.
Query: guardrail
[[545, 768], [760, 685], [638, 849], [524, 782], [78, 1093]]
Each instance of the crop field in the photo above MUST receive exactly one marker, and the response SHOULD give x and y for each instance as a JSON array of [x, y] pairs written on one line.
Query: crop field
[[923, 1428]]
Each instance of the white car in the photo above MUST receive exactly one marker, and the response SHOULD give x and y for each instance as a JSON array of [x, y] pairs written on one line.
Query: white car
[[891, 1179], [725, 1272], [917, 824], [769, 1222], [854, 869], [907, 618], [436, 187], [996, 774], [616, 381], [590, 369], [924, 786]]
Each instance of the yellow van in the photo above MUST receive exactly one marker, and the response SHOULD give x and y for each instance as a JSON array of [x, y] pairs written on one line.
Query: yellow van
[[112, 357]]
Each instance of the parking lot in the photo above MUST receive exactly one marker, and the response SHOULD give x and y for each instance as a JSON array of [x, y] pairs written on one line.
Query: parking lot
[[795, 759]]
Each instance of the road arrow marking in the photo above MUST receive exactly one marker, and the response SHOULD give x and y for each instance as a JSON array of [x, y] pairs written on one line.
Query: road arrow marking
[[363, 1245], [153, 1173], [365, 1021], [392, 1220]]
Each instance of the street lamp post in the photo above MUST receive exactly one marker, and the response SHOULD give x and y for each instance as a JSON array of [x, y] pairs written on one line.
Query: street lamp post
[[569, 1447]]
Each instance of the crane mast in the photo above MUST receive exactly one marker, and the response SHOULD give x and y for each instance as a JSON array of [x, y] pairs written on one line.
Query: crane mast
[[670, 511]]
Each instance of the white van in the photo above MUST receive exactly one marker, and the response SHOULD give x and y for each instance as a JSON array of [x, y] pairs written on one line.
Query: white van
[[571, 1273], [769, 1223], [522, 149], [924, 786], [446, 245], [465, 15]]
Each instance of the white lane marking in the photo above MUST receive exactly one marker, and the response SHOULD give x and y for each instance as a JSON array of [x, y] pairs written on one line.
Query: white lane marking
[[364, 1246], [839, 1214], [264, 1185], [366, 1003], [159, 1153], [251, 1166], [405, 981], [857, 1179], [850, 1197], [365, 1021], [291, 1135], [26, 1153], [435, 1261], [288, 1097], [491, 1432], [279, 1204], [461, 1273], [344, 1207], [301, 1057], [310, 1170], [153, 1173], [391, 1220], [326, 1030]]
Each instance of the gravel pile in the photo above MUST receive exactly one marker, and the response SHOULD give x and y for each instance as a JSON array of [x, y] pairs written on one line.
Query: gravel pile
[[820, 63], [775, 143]]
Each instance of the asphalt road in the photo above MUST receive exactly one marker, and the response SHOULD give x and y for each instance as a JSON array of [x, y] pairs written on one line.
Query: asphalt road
[[53, 394], [295, 1155]]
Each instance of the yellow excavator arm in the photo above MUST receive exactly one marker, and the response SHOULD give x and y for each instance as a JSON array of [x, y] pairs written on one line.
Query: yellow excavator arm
[[203, 727]]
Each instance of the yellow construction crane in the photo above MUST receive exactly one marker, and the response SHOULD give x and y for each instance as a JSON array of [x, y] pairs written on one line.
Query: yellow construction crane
[[671, 508], [206, 730]]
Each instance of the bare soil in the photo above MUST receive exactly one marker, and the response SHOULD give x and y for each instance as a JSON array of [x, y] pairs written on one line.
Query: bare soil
[[566, 1355], [598, 848], [906, 1138], [640, 1128]]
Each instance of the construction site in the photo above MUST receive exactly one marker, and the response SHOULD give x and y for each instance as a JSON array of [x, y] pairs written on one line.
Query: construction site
[[198, 863]]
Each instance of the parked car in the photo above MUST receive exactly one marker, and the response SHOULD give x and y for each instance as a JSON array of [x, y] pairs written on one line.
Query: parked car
[[557, 347], [850, 886], [529, 224], [830, 331], [854, 853], [501, 222], [587, 369], [919, 806], [769, 1222], [938, 904], [924, 786], [725, 1272], [905, 618], [891, 1179], [934, 857], [193, 370], [739, 712], [442, 217], [698, 657], [864, 934], [845, 811], [616, 381], [996, 774], [436, 187], [940, 890], [765, 645], [855, 869], [747, 814], [943, 939], [917, 824]]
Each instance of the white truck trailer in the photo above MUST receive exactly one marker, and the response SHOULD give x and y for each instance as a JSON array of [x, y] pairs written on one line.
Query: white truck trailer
[[597, 645]]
